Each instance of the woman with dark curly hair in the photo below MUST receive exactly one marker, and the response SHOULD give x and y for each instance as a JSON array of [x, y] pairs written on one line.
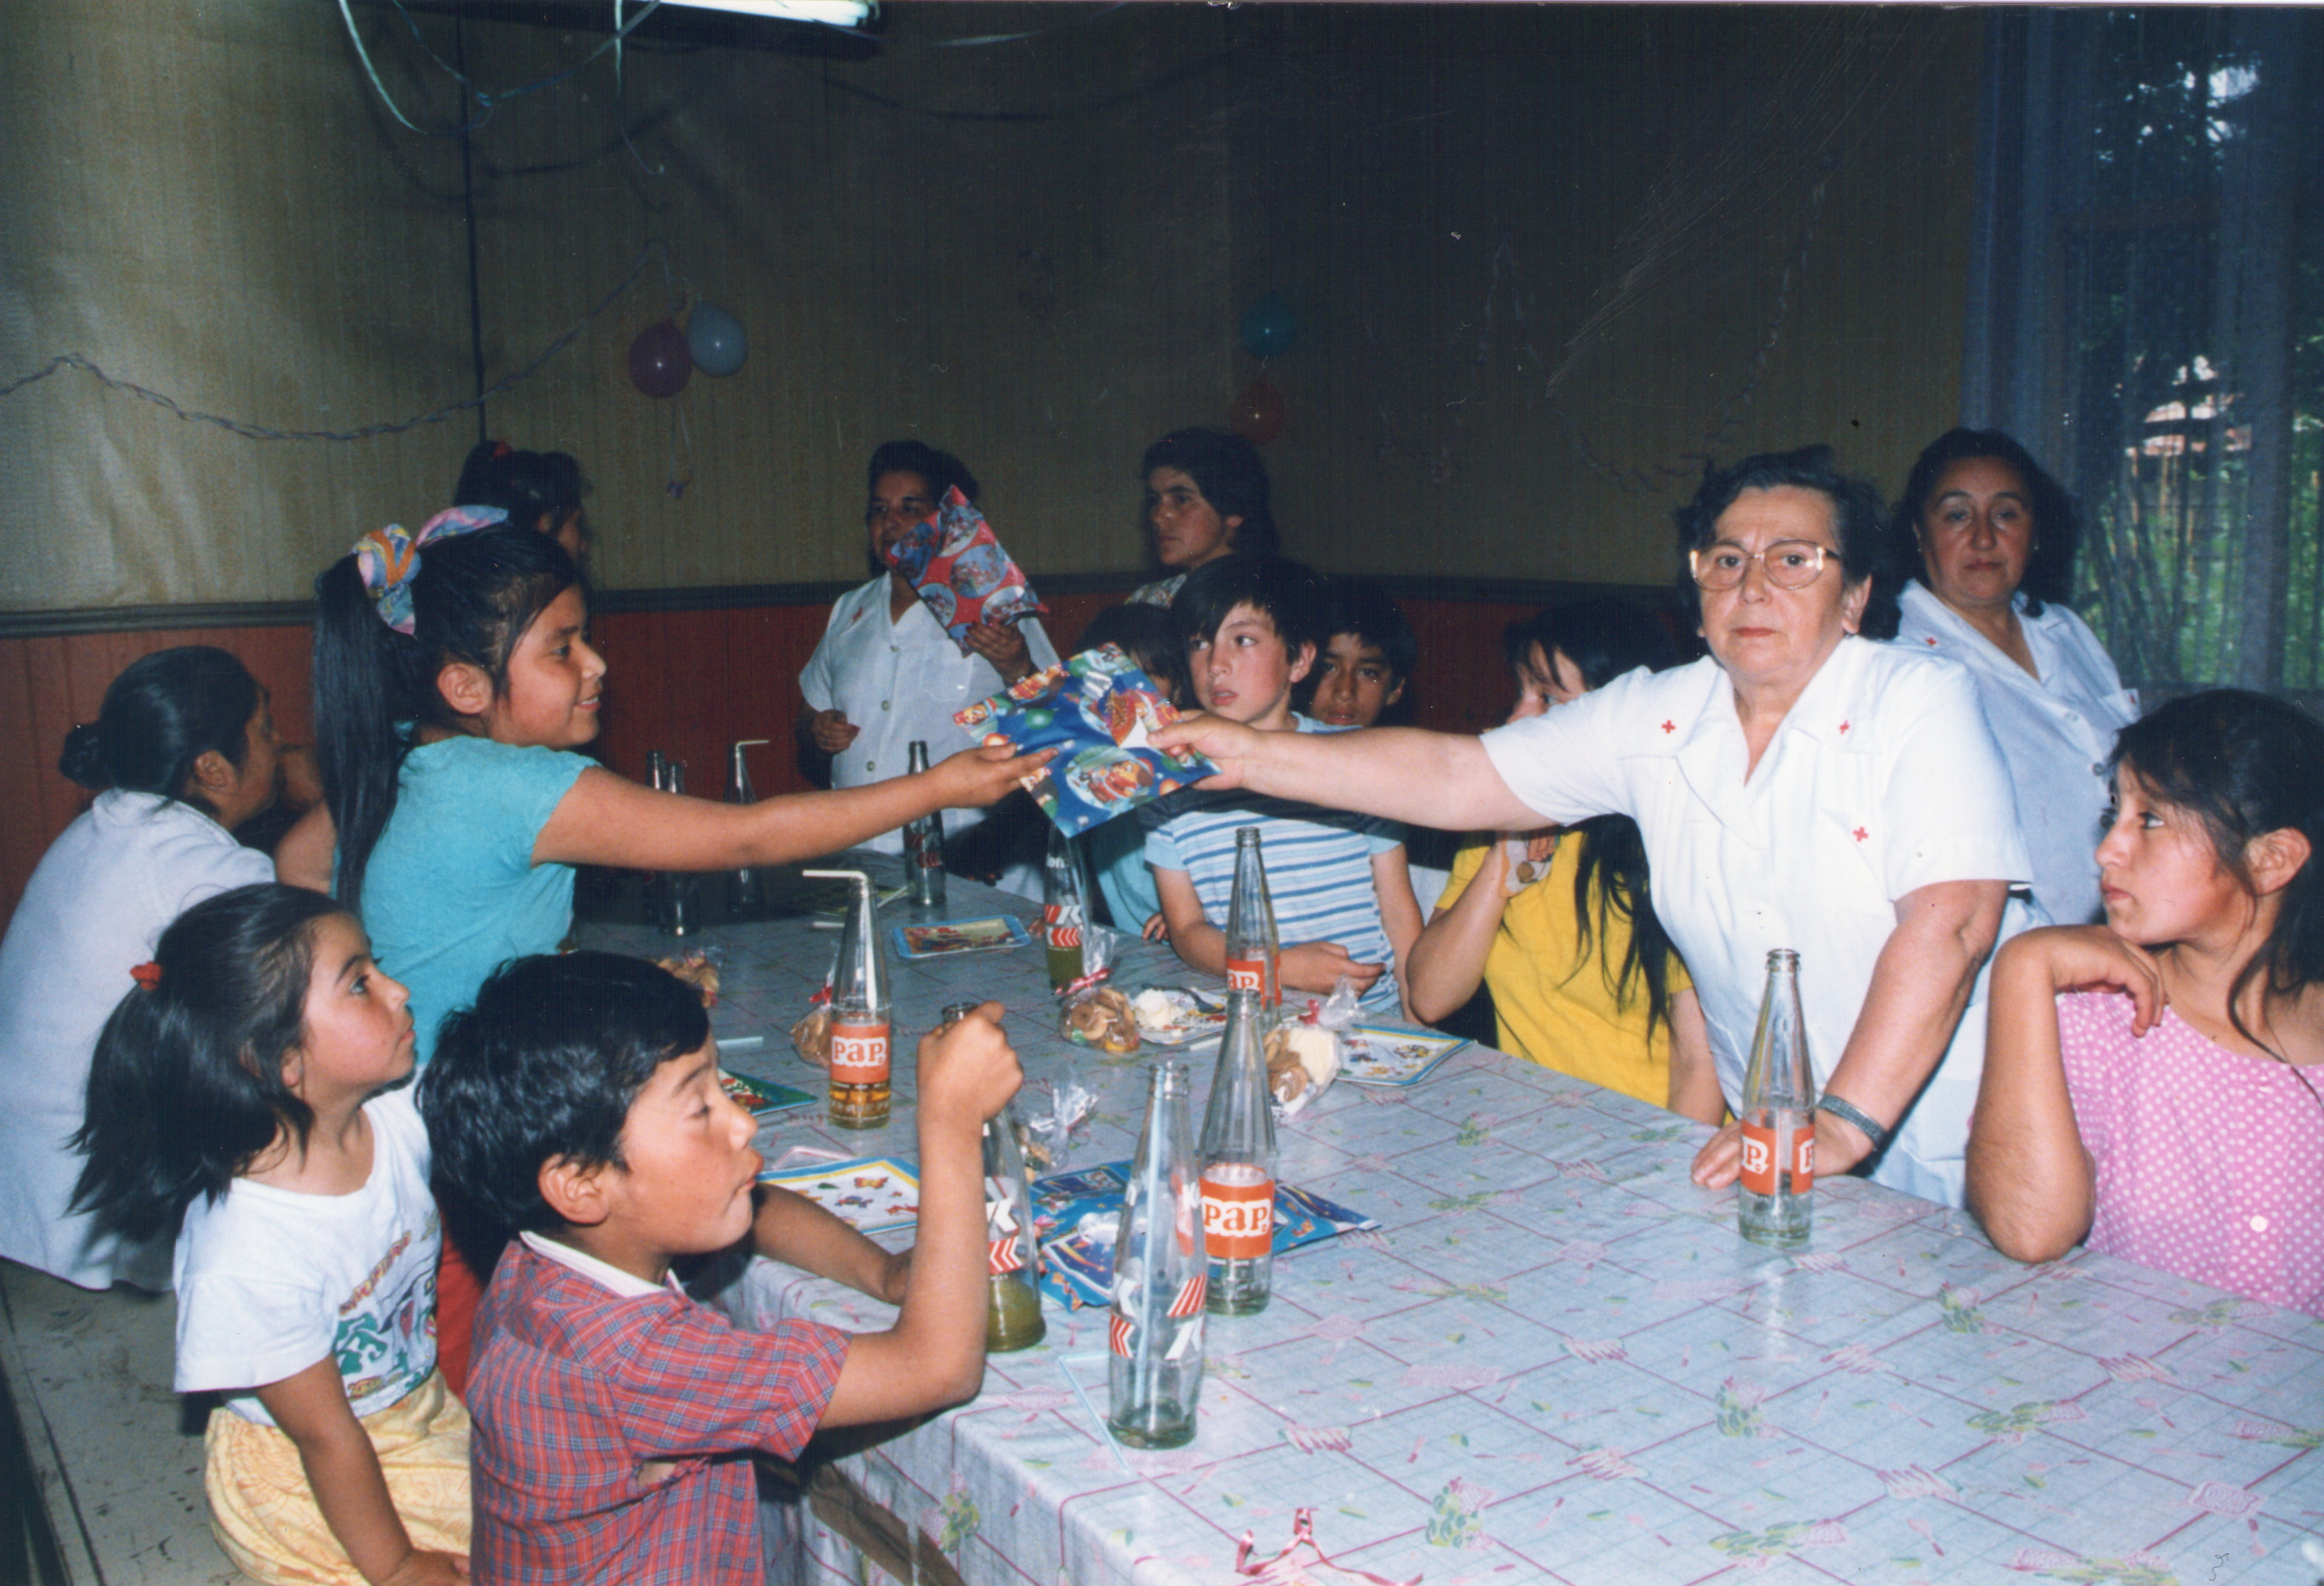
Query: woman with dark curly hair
[[1982, 543]]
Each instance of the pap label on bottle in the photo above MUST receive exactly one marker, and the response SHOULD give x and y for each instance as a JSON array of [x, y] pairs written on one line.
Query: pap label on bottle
[[1238, 1213], [859, 1054]]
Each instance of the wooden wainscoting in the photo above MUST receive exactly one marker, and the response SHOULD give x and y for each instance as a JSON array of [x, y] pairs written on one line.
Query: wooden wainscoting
[[691, 672]]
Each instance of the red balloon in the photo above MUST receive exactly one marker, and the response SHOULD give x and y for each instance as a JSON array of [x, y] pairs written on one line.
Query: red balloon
[[660, 361], [1258, 413]]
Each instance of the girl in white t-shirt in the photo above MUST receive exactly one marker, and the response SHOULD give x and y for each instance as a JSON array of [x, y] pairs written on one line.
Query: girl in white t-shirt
[[243, 1094]]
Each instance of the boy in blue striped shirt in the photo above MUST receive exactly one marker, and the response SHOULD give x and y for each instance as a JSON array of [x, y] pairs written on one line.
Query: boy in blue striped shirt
[[1343, 894]]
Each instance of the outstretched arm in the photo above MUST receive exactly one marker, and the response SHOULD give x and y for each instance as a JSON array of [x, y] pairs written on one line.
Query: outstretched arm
[[1426, 778], [607, 819]]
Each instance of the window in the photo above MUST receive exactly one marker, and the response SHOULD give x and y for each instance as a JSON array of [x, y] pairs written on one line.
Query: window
[[2147, 315]]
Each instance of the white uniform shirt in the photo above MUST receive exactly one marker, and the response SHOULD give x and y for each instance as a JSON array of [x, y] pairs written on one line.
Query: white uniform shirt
[[899, 683], [105, 892], [2055, 732], [1883, 779]]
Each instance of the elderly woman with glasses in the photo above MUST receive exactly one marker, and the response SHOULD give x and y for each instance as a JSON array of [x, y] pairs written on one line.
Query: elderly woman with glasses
[[1802, 786]]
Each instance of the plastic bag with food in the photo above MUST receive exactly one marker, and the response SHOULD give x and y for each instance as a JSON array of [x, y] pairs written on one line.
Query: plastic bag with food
[[698, 968], [1091, 1013], [811, 1036], [1304, 1051]]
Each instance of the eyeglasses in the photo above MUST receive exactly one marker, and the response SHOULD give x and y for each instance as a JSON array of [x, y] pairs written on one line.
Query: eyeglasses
[[1789, 564]]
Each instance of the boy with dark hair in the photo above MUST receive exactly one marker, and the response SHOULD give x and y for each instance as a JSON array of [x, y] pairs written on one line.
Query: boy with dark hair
[[1367, 658], [578, 1105], [1342, 890]]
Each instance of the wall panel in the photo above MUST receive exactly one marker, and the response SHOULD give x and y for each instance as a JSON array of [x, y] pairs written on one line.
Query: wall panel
[[689, 682]]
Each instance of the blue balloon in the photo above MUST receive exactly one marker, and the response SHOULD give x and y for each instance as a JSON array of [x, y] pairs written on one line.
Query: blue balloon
[[1268, 326], [715, 338]]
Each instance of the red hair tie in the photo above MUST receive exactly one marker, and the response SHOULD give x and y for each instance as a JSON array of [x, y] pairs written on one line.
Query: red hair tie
[[147, 975], [500, 450]]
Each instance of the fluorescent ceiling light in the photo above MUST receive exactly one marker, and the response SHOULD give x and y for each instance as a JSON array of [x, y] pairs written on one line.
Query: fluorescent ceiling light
[[838, 13]]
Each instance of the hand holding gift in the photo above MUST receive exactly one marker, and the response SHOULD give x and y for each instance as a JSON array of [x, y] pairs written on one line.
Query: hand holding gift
[[1098, 712]]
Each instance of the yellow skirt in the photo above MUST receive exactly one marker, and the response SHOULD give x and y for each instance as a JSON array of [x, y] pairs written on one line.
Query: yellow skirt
[[264, 1513]]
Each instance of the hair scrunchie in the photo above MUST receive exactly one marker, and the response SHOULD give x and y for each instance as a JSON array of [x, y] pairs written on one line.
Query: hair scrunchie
[[388, 558], [147, 975]]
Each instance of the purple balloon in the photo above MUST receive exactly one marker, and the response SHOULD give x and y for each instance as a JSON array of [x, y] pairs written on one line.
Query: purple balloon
[[661, 362]]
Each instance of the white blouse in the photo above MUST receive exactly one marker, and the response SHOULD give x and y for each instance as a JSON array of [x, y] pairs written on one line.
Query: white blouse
[[1883, 779], [105, 892], [900, 682], [2055, 732]]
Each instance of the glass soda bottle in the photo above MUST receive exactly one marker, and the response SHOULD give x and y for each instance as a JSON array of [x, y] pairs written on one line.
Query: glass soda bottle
[[1778, 1117], [746, 891], [1012, 1318], [1063, 913], [860, 1018], [923, 868], [1238, 1158], [1253, 957], [1154, 1364]]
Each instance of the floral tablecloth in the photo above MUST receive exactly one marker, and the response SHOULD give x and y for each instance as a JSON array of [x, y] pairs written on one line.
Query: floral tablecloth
[[1555, 1361]]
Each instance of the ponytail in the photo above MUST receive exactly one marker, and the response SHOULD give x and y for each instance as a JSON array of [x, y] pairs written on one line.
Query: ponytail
[[471, 599], [365, 700], [186, 1088], [163, 713]]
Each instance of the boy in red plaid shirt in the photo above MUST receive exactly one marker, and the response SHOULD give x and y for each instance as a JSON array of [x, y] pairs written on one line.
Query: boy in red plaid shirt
[[579, 1103]]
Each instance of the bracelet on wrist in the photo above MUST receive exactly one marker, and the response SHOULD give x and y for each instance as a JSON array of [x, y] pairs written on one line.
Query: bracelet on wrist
[[1847, 1112]]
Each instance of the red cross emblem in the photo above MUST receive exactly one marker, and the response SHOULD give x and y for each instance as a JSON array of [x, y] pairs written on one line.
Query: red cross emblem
[[1860, 833], [1843, 726], [1670, 726]]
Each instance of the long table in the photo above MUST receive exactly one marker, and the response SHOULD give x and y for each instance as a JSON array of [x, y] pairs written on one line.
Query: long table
[[1555, 1361]]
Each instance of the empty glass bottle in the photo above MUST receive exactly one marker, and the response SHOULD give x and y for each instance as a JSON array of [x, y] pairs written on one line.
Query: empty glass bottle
[[746, 889], [1778, 1117], [1253, 956], [1238, 1158], [677, 893], [1154, 1370], [859, 1014], [924, 867]]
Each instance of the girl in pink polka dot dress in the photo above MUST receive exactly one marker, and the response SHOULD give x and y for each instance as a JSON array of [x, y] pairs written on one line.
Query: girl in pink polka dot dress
[[2155, 1085]]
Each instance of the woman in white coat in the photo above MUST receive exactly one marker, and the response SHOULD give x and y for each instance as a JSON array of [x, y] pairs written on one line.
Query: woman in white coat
[[183, 751], [1801, 787], [1991, 537]]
